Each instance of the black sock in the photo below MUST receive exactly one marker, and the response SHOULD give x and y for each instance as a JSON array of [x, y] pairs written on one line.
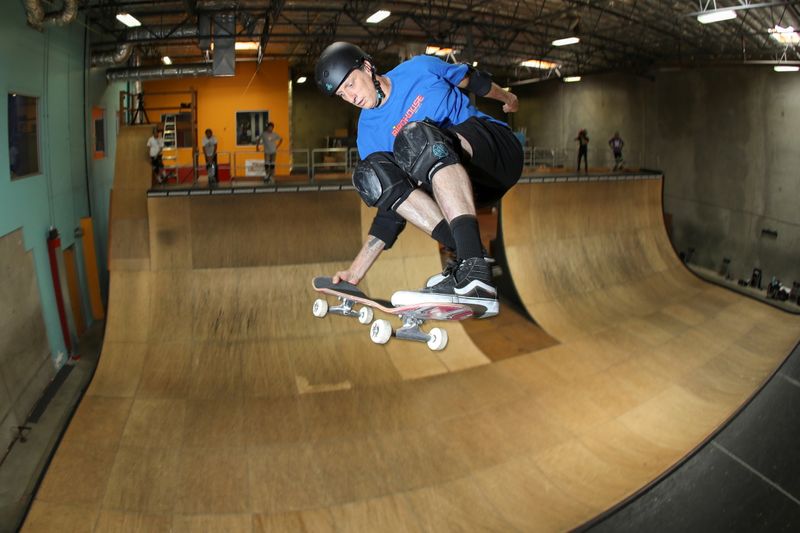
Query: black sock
[[467, 236], [443, 234]]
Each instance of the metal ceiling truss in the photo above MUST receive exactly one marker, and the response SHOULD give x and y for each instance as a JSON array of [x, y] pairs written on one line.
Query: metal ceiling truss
[[633, 35]]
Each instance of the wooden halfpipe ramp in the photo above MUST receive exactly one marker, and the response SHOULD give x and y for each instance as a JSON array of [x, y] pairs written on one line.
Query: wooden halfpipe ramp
[[221, 404]]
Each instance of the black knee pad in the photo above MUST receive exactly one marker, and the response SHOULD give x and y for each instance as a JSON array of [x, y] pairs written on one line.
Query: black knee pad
[[422, 149], [380, 182]]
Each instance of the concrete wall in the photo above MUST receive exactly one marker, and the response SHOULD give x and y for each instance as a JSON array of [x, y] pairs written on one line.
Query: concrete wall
[[48, 65], [105, 95], [553, 112], [725, 138], [315, 116]]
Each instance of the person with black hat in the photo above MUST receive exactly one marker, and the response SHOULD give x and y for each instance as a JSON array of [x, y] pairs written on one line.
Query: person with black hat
[[428, 157]]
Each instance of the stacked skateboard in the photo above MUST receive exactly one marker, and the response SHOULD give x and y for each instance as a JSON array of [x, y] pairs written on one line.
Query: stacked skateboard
[[412, 316]]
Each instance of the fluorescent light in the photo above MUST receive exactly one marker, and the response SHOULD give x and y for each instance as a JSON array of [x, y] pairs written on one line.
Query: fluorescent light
[[246, 45], [539, 63], [128, 19], [572, 79], [301, 79], [444, 51], [566, 41], [430, 49], [166, 60], [474, 64], [378, 16], [786, 68], [716, 16], [784, 35]]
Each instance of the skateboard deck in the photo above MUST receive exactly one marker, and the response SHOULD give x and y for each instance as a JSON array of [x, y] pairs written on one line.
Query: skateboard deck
[[423, 311], [413, 316]]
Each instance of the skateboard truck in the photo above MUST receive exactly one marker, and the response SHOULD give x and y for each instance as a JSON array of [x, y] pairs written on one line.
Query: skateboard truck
[[381, 331], [345, 308]]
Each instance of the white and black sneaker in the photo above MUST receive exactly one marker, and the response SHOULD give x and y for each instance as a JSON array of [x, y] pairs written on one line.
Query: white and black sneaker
[[450, 267], [468, 282]]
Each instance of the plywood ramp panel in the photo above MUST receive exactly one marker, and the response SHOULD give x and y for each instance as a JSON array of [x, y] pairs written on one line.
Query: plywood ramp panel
[[128, 227], [220, 403]]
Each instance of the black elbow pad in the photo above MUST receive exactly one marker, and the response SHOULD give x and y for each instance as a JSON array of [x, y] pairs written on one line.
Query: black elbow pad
[[480, 82]]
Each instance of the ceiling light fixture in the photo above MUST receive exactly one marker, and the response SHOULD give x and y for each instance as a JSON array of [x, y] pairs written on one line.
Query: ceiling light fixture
[[786, 68], [301, 79], [128, 19], [246, 45], [572, 79], [166, 60], [539, 63], [566, 41], [378, 16], [784, 35], [716, 15]]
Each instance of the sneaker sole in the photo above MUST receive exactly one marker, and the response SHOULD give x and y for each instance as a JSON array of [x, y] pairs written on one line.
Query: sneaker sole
[[482, 307]]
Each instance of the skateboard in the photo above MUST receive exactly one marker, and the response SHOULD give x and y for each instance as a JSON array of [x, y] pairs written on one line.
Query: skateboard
[[413, 316]]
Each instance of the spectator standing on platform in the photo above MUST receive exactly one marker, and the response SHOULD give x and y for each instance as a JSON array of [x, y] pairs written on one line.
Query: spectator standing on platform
[[583, 150], [155, 145], [210, 153], [616, 143], [271, 141]]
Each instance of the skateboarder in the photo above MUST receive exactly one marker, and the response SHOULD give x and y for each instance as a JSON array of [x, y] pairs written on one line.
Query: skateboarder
[[583, 150], [616, 143], [428, 157], [271, 141], [210, 153], [155, 147]]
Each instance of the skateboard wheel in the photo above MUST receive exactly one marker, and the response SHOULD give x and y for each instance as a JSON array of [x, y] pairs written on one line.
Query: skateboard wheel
[[365, 315], [438, 339], [320, 308], [380, 332]]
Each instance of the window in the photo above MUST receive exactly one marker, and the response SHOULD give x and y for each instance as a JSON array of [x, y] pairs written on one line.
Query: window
[[99, 132], [249, 125], [23, 135]]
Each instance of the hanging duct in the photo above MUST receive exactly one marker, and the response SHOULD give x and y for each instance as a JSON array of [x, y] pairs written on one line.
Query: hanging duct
[[188, 70], [37, 18], [120, 55], [224, 44]]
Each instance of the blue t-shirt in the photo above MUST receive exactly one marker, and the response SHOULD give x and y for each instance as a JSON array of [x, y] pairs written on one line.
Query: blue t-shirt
[[422, 87]]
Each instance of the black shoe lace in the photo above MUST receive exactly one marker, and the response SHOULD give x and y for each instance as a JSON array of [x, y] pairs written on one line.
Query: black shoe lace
[[450, 267]]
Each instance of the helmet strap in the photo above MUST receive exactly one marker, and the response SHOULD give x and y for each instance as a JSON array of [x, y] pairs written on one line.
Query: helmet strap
[[381, 94]]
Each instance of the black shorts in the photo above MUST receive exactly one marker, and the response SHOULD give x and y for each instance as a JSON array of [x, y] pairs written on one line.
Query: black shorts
[[497, 158], [156, 162]]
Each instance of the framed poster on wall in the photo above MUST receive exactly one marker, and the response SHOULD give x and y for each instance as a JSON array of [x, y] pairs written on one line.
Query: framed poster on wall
[[249, 125]]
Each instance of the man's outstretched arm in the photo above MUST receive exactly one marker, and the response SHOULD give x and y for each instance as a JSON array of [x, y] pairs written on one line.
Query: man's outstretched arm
[[368, 254], [480, 83]]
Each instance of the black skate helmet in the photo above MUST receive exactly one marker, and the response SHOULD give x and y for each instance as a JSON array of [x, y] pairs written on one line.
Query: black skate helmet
[[336, 62]]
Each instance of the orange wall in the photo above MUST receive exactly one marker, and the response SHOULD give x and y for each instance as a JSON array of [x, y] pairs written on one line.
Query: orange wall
[[218, 100]]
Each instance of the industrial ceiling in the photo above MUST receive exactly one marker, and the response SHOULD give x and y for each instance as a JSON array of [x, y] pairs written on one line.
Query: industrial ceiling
[[615, 35]]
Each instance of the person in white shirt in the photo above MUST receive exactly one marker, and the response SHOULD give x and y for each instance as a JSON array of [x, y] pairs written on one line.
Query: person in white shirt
[[210, 152], [271, 141], [155, 145]]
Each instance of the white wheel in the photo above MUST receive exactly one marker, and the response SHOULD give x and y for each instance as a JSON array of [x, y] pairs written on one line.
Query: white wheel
[[380, 332], [320, 308], [438, 339], [365, 315]]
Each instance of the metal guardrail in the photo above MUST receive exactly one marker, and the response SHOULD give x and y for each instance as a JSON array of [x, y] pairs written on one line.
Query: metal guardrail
[[539, 156]]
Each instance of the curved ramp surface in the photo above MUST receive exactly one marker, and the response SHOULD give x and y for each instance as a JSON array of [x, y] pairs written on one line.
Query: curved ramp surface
[[221, 404]]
